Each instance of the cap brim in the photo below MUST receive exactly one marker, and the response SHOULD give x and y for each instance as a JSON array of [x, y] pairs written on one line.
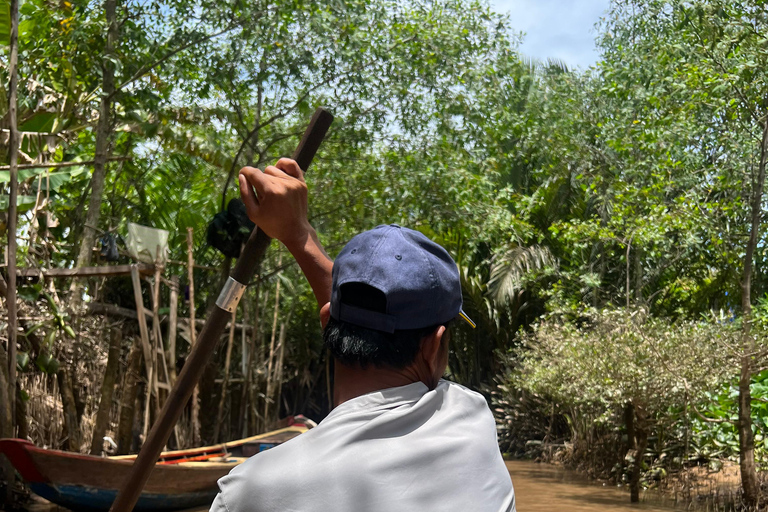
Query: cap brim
[[466, 318]]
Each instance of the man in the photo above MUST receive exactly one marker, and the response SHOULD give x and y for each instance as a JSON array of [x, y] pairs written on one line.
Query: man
[[399, 438]]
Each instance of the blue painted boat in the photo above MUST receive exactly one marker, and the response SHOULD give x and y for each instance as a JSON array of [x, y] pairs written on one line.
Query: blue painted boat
[[181, 479]]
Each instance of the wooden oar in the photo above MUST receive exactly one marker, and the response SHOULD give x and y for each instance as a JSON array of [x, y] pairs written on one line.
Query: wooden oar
[[249, 260]]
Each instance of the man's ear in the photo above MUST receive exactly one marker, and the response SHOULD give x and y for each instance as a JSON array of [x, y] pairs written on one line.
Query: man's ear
[[430, 348], [325, 314]]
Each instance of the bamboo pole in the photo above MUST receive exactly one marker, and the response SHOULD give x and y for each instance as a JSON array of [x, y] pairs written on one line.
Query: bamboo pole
[[148, 400], [193, 335], [272, 354], [59, 165], [157, 342], [225, 380], [172, 320], [243, 342], [245, 392], [280, 361], [13, 155]]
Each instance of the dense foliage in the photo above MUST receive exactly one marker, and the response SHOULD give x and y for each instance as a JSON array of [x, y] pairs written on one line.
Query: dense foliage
[[602, 219]]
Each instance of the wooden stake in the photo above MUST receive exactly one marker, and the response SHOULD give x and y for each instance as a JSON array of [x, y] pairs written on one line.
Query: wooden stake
[[172, 327], [13, 152], [193, 335], [280, 360], [270, 375], [225, 380], [142, 320], [244, 392], [148, 399]]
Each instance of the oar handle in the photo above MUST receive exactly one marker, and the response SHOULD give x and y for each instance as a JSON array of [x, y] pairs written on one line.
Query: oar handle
[[190, 375]]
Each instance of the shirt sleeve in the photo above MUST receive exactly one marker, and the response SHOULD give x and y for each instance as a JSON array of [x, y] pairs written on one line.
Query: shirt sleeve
[[218, 504]]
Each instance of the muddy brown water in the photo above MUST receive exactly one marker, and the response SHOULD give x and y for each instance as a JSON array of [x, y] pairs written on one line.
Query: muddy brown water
[[539, 488], [544, 487]]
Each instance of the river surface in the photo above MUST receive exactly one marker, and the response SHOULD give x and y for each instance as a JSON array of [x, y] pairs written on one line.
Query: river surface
[[544, 487], [539, 488]]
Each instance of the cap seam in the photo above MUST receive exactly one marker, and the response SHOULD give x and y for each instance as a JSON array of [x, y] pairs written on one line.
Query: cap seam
[[423, 253]]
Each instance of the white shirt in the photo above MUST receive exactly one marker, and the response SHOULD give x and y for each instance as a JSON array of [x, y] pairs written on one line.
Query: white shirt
[[404, 449]]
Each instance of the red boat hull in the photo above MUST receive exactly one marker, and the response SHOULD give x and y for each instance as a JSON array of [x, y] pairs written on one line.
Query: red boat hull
[[85, 482]]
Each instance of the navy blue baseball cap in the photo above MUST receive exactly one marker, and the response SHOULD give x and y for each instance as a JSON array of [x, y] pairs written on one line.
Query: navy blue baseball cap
[[418, 277]]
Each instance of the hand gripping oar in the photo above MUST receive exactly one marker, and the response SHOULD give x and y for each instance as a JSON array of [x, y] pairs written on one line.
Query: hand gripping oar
[[251, 257]]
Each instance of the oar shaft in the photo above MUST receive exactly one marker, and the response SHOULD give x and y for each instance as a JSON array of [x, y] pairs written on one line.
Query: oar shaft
[[190, 375]]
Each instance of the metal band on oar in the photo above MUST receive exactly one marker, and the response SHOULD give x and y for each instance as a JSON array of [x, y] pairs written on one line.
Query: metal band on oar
[[249, 260]]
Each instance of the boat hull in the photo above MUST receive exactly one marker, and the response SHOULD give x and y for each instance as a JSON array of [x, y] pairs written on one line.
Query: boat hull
[[181, 479], [91, 499]]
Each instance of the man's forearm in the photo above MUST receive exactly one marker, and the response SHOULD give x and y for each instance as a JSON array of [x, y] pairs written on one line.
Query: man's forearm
[[315, 264]]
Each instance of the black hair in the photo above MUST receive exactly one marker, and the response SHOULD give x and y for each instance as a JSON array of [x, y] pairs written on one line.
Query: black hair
[[351, 344]]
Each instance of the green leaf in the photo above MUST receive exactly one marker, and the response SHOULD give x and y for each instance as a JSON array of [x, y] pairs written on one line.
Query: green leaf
[[40, 122], [30, 293], [47, 363], [23, 203], [50, 338], [5, 22], [22, 360]]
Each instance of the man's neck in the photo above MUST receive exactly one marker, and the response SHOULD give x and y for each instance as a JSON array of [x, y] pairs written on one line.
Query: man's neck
[[353, 381]]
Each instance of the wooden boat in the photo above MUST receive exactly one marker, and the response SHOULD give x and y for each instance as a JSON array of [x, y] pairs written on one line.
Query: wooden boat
[[181, 479]]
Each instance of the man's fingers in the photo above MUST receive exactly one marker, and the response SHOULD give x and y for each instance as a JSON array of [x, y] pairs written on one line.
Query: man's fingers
[[249, 198], [247, 193], [271, 170], [290, 167], [256, 178]]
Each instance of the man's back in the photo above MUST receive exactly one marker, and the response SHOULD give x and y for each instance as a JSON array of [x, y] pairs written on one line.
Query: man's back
[[400, 449]]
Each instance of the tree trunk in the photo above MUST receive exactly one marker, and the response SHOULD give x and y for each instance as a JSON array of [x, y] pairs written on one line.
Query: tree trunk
[[641, 442], [107, 388], [103, 133], [71, 427], [6, 429], [128, 400], [631, 454], [749, 482], [747, 466], [638, 275], [22, 428]]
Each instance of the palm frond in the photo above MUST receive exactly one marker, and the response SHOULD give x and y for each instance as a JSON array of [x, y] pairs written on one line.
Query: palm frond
[[510, 269]]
